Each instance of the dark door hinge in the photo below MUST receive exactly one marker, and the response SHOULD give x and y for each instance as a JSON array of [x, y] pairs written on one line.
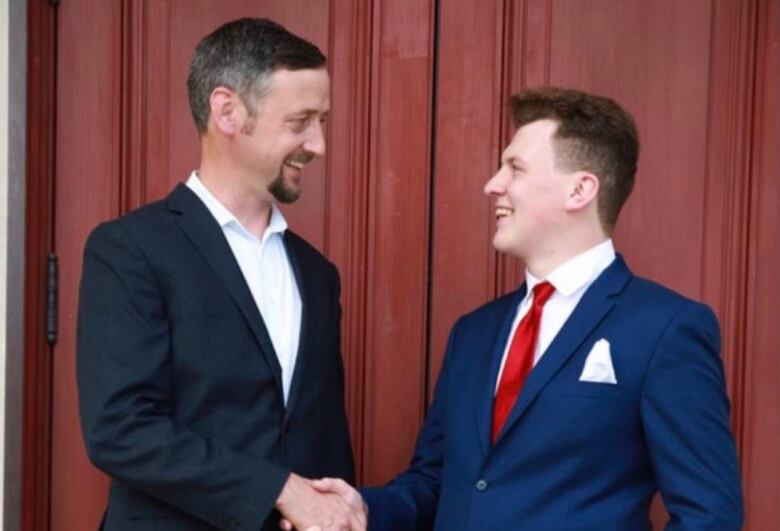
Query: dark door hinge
[[51, 299]]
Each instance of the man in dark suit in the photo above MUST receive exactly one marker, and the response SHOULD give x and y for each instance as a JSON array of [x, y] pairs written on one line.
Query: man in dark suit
[[569, 403], [209, 365]]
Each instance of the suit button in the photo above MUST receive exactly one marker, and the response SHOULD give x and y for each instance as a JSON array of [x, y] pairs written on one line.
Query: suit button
[[482, 485]]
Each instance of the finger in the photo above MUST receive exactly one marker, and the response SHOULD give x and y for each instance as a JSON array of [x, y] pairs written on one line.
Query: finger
[[355, 518], [345, 492], [363, 518], [351, 496], [355, 523], [285, 524]]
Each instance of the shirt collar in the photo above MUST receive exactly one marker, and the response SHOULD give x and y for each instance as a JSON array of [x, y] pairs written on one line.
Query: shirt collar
[[577, 272], [224, 217]]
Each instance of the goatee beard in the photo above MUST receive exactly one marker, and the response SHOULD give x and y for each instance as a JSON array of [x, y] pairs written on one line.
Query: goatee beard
[[282, 192]]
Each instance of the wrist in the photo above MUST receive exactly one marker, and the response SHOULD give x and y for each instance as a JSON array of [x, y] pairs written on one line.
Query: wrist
[[288, 491]]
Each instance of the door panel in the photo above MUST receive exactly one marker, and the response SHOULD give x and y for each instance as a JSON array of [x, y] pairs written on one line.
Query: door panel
[[759, 430], [86, 191]]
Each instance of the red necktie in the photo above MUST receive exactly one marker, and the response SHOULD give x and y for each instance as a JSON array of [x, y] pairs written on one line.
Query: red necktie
[[520, 359]]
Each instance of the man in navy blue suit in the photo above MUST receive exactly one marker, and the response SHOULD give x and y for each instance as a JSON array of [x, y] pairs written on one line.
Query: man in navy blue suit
[[569, 403]]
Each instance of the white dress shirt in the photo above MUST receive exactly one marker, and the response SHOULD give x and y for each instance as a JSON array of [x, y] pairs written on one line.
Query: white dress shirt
[[268, 273], [571, 280]]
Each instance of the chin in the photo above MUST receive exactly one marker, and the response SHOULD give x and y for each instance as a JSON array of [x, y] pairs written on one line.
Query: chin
[[283, 190], [506, 245], [499, 244]]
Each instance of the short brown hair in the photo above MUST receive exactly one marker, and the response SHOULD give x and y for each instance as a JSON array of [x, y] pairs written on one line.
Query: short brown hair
[[594, 134]]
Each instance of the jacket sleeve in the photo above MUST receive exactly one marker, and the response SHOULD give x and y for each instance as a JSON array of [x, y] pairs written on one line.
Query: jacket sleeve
[[685, 416], [409, 502], [126, 397]]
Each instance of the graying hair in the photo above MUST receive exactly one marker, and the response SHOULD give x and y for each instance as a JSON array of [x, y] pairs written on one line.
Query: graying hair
[[241, 56]]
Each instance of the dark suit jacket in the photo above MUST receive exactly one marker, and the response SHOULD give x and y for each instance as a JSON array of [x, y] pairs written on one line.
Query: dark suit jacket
[[576, 455], [179, 385]]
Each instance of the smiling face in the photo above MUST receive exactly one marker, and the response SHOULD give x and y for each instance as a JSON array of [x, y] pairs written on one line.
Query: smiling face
[[530, 193], [286, 133]]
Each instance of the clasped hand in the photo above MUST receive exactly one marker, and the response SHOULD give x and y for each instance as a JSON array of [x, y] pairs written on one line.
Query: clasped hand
[[321, 505]]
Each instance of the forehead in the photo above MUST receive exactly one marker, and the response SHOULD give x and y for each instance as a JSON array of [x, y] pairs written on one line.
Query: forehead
[[532, 138], [299, 90]]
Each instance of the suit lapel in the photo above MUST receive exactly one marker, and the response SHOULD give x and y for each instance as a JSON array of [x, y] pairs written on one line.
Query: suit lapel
[[207, 237], [488, 372], [307, 304], [595, 304]]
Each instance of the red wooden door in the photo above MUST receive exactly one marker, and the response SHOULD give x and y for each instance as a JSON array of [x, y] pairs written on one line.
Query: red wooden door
[[397, 202]]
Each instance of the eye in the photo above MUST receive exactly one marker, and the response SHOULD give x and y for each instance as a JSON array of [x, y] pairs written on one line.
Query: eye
[[298, 124]]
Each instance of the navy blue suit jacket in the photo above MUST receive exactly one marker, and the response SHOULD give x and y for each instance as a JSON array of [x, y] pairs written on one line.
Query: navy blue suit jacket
[[180, 389], [573, 455]]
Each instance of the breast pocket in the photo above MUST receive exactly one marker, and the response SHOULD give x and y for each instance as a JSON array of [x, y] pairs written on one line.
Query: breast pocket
[[596, 390]]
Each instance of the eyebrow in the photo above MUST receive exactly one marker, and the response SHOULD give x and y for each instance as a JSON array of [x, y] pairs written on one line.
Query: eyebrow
[[515, 160], [307, 113]]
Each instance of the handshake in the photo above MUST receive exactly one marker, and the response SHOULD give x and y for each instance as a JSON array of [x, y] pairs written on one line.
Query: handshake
[[327, 504]]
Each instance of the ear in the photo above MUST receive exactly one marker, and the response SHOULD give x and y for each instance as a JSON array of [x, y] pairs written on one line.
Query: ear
[[225, 110], [584, 191]]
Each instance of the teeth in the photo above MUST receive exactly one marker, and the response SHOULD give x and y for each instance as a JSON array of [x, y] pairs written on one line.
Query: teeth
[[503, 211], [298, 165]]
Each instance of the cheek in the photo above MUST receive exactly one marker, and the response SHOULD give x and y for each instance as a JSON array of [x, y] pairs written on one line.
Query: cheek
[[544, 198], [524, 200]]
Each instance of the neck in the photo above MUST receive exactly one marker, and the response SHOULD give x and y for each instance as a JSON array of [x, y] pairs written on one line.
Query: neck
[[548, 258], [248, 201]]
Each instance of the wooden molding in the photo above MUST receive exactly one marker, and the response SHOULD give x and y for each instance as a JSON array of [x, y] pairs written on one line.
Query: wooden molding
[[470, 112], [727, 193], [145, 114], [156, 125], [132, 142], [346, 238], [399, 148], [41, 115], [760, 397]]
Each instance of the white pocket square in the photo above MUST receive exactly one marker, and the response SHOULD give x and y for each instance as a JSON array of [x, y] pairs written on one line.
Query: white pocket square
[[598, 365]]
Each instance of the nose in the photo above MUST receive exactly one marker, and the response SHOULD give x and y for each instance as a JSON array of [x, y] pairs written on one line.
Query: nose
[[315, 139], [496, 184]]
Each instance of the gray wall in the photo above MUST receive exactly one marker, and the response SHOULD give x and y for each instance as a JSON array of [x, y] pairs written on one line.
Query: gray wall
[[13, 27]]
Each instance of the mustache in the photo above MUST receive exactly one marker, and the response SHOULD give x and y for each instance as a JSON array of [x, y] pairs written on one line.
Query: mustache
[[302, 158]]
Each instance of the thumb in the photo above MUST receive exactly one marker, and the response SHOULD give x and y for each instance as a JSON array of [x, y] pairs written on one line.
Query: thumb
[[332, 485], [326, 485]]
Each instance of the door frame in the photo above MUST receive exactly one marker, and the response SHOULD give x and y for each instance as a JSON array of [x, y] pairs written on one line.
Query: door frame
[[39, 215]]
